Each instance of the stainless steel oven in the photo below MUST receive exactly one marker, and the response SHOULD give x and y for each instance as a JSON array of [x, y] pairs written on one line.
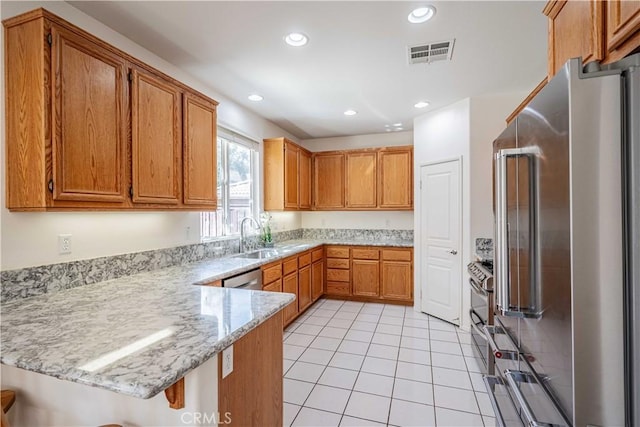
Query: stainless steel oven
[[481, 311]]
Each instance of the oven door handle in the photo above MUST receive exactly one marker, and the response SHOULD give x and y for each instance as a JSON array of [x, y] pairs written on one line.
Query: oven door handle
[[477, 289], [475, 327]]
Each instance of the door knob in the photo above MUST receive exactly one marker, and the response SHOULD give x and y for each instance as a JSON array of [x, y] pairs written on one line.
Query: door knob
[[453, 252]]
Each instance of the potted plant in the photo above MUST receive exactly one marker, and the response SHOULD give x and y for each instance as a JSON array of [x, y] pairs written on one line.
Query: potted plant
[[265, 220]]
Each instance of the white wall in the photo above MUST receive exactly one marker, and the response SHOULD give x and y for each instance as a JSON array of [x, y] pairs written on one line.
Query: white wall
[[385, 139], [388, 220], [442, 135], [382, 220], [30, 239], [488, 114], [463, 130]]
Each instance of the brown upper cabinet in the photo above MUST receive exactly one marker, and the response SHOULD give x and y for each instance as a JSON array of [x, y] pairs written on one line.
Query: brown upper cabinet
[[286, 176], [575, 29], [156, 139], [395, 178], [200, 153], [596, 30], [368, 179], [623, 27], [361, 180], [90, 127], [304, 192], [328, 180]]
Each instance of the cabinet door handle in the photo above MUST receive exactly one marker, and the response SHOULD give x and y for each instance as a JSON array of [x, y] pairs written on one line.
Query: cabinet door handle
[[453, 252]]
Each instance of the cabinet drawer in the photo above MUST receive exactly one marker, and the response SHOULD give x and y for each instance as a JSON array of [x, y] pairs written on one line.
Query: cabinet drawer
[[317, 254], [365, 253], [289, 266], [304, 259], [338, 263], [337, 252], [272, 273], [396, 254], [274, 287], [338, 288], [337, 275]]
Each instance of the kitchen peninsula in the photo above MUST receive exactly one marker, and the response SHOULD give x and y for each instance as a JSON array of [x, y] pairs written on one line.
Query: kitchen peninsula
[[133, 337], [118, 344]]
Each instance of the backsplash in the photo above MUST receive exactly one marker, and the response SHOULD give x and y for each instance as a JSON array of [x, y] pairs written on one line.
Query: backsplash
[[484, 248], [356, 234], [32, 281]]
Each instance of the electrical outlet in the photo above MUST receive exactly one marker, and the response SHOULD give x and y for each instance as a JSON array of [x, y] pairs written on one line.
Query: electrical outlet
[[227, 361], [64, 243], [188, 232]]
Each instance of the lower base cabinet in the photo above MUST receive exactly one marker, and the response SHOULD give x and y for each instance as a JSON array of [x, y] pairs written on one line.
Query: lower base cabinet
[[370, 273], [396, 280], [317, 280], [304, 288], [365, 278], [290, 285]]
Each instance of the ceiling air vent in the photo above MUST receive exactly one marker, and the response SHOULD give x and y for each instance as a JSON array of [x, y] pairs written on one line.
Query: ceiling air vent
[[431, 52]]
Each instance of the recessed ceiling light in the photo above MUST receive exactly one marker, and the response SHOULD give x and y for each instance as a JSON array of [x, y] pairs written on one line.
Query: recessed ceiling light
[[386, 126], [421, 104], [398, 128], [397, 124], [296, 39], [255, 97], [350, 113], [421, 14]]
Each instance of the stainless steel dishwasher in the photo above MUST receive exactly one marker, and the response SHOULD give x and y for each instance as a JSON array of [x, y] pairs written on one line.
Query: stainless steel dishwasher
[[251, 280]]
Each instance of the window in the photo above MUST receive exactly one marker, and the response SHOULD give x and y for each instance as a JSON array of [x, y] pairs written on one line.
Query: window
[[237, 186]]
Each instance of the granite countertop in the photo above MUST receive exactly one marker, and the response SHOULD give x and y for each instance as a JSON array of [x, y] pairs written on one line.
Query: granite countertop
[[135, 335], [139, 334]]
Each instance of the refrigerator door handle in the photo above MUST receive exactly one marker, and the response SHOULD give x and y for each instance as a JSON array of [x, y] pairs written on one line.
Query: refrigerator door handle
[[502, 276], [488, 332], [515, 377]]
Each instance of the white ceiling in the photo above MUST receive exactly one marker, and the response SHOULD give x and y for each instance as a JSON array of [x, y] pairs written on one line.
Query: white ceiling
[[356, 57]]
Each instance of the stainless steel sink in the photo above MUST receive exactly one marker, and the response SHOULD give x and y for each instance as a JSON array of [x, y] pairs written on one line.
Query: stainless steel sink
[[259, 254]]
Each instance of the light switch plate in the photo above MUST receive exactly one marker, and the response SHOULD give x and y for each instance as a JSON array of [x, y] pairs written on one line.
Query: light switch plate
[[227, 361]]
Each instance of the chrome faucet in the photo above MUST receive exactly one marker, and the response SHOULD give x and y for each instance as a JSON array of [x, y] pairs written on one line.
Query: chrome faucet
[[242, 235]]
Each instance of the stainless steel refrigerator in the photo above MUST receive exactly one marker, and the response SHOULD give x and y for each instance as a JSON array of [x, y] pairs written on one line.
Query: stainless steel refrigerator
[[567, 257]]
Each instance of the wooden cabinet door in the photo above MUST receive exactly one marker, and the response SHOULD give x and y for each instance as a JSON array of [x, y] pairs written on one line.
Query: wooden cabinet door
[[623, 21], [395, 185], [328, 181], [397, 280], [291, 176], [273, 287], [365, 277], [156, 139], [304, 288], [576, 28], [317, 280], [305, 180], [89, 124], [290, 285], [361, 180], [200, 165]]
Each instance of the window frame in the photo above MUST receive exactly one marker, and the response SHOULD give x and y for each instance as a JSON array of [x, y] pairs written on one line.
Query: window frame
[[224, 137]]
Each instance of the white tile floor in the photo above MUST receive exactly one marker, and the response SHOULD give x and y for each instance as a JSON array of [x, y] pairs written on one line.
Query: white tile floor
[[365, 364]]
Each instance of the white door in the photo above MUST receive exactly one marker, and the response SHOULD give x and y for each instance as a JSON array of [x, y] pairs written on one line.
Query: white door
[[441, 273]]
